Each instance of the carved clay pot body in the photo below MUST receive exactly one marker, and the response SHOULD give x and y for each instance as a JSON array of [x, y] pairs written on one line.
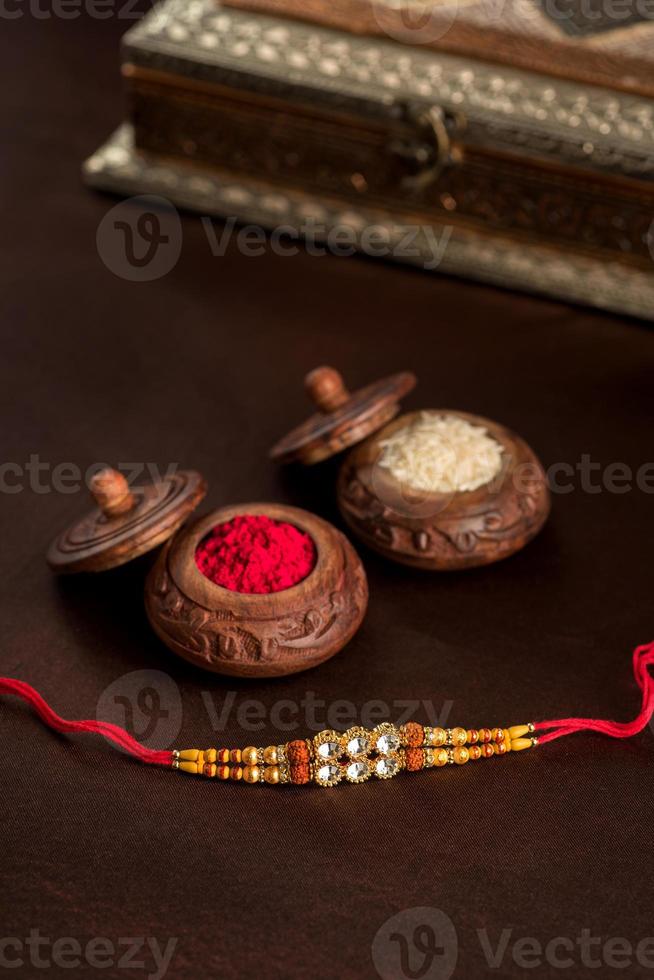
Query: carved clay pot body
[[257, 635], [444, 531]]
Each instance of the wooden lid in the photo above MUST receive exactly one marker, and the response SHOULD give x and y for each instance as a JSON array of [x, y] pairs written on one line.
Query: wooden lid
[[127, 521], [343, 419]]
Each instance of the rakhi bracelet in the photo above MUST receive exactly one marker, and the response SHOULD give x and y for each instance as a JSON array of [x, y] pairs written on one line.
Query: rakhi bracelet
[[356, 755]]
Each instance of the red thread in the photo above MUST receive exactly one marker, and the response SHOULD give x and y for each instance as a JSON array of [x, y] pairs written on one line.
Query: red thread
[[114, 733], [255, 554], [643, 659]]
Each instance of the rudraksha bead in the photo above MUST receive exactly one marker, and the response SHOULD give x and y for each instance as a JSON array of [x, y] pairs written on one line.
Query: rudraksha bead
[[297, 752], [415, 759], [300, 773], [414, 734]]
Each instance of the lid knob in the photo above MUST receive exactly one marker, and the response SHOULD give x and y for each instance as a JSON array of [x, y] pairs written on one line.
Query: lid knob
[[111, 492], [326, 388]]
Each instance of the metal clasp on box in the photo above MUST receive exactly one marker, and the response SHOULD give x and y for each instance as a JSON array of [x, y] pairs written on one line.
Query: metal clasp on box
[[428, 143]]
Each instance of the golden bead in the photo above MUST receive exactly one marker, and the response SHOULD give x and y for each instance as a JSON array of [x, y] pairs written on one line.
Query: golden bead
[[249, 756], [270, 755], [438, 736], [271, 774], [440, 757], [210, 755], [459, 736], [461, 755], [251, 774]]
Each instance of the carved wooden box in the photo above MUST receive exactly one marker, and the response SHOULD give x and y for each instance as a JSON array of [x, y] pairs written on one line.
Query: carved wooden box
[[442, 531], [247, 635], [257, 635], [495, 171]]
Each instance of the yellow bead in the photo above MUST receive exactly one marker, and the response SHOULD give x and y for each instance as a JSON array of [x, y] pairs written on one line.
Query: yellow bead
[[440, 757], [461, 755], [271, 774], [439, 736], [251, 774], [210, 755], [507, 739], [518, 744], [459, 736], [188, 767], [249, 756], [200, 760], [270, 755], [517, 731], [188, 755]]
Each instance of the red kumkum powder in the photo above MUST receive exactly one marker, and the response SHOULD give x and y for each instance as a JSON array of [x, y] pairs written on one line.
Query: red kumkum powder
[[256, 554]]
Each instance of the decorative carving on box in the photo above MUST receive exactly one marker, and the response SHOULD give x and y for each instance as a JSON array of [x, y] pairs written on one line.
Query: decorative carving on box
[[615, 49], [487, 257], [257, 635], [523, 197], [447, 531], [342, 69]]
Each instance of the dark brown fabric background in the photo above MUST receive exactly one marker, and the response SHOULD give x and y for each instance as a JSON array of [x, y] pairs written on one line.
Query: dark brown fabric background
[[203, 368]]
